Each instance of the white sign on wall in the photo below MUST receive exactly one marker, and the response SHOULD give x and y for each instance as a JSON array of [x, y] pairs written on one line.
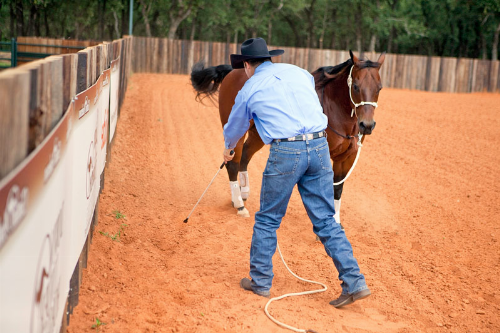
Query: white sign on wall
[[88, 144], [33, 269], [113, 96], [46, 208]]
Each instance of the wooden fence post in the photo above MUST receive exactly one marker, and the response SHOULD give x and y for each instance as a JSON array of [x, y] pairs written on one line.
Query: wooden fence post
[[82, 71], [447, 74], [53, 96], [433, 73], [14, 118]]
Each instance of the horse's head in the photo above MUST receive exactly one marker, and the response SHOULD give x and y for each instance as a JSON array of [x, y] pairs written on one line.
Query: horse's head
[[364, 89]]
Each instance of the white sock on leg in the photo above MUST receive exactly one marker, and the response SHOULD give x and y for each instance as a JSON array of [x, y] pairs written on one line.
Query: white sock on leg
[[244, 184], [236, 194], [336, 205]]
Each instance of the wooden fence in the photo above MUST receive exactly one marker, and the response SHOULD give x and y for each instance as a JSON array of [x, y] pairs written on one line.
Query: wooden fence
[[34, 96], [38, 45], [33, 101], [161, 55]]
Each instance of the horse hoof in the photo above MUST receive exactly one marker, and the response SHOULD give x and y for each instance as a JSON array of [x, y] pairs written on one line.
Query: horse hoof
[[243, 212], [234, 206]]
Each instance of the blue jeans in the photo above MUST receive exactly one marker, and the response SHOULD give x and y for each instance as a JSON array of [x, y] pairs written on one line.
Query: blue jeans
[[307, 164]]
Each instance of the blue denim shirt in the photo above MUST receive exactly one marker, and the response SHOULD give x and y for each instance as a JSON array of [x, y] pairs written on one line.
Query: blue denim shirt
[[281, 100]]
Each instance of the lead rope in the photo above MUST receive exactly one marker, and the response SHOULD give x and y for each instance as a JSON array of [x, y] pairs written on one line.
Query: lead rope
[[300, 330], [355, 161], [353, 112]]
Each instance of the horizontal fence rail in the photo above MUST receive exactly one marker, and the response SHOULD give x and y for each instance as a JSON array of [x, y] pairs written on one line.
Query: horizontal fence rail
[[52, 45], [26, 49], [437, 74]]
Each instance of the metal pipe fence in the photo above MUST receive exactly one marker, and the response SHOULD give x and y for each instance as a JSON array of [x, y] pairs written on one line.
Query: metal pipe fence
[[16, 53]]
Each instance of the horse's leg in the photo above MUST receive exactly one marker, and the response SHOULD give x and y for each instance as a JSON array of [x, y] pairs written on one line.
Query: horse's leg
[[338, 175], [232, 170], [252, 145], [340, 171]]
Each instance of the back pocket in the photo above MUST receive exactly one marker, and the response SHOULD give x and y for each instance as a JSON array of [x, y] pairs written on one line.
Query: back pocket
[[324, 156], [285, 162]]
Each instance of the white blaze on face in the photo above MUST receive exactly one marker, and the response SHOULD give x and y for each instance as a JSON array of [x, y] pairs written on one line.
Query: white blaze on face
[[236, 194], [244, 184], [336, 204]]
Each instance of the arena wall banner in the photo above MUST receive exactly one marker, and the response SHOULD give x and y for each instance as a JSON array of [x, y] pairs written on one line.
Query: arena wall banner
[[113, 95], [103, 118], [46, 208], [88, 145], [34, 208]]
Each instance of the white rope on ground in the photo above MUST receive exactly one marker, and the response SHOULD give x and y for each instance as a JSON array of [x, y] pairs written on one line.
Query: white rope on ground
[[293, 294], [355, 161]]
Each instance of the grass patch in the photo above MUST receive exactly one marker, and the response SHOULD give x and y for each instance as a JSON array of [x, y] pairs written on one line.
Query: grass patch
[[115, 237], [118, 215], [98, 324]]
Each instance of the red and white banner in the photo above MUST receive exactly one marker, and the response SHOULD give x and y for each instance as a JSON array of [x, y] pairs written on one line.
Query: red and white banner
[[88, 144], [33, 264], [113, 96], [46, 207]]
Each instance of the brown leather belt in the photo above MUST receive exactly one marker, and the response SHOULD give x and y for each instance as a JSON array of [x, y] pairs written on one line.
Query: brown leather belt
[[303, 137]]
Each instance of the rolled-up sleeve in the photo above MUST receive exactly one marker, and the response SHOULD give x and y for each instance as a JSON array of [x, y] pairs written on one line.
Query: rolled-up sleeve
[[238, 122], [312, 81]]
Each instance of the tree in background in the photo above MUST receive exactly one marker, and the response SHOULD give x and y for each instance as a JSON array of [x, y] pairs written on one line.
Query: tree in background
[[490, 25], [459, 28]]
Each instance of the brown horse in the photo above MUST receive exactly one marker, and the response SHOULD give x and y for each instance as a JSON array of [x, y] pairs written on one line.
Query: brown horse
[[348, 93]]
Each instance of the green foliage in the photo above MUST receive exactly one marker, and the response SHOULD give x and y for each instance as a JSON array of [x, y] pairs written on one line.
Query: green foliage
[[462, 28], [97, 324], [115, 237], [118, 214]]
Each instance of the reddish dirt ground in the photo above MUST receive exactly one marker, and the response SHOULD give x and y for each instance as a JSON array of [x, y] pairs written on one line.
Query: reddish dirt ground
[[420, 210]]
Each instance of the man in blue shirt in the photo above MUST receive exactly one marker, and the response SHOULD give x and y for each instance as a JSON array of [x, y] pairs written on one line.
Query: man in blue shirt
[[282, 101]]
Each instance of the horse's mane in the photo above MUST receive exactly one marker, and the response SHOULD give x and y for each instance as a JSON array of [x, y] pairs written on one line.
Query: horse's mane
[[330, 73]]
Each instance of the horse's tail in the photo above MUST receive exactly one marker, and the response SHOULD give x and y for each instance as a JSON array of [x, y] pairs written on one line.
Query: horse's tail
[[206, 81]]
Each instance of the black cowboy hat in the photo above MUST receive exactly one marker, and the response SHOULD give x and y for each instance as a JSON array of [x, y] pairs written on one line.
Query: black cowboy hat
[[253, 48]]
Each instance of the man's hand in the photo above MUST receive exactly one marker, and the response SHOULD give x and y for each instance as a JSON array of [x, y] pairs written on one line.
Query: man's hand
[[228, 155]]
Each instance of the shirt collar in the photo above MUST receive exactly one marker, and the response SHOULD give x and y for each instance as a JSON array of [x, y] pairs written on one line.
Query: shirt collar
[[262, 66]]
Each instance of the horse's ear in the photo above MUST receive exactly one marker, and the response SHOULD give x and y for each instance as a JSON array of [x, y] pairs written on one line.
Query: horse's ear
[[381, 59], [353, 57]]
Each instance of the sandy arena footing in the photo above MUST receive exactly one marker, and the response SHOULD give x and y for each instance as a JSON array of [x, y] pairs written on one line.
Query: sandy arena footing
[[420, 210]]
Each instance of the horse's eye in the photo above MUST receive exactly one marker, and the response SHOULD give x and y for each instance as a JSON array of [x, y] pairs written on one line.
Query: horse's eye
[[355, 86], [380, 88]]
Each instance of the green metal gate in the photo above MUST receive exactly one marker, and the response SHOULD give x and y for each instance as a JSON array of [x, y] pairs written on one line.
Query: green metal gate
[[12, 46]]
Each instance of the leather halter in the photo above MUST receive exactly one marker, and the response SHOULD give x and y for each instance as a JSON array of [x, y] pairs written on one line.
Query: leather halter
[[347, 137], [349, 83], [353, 112]]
